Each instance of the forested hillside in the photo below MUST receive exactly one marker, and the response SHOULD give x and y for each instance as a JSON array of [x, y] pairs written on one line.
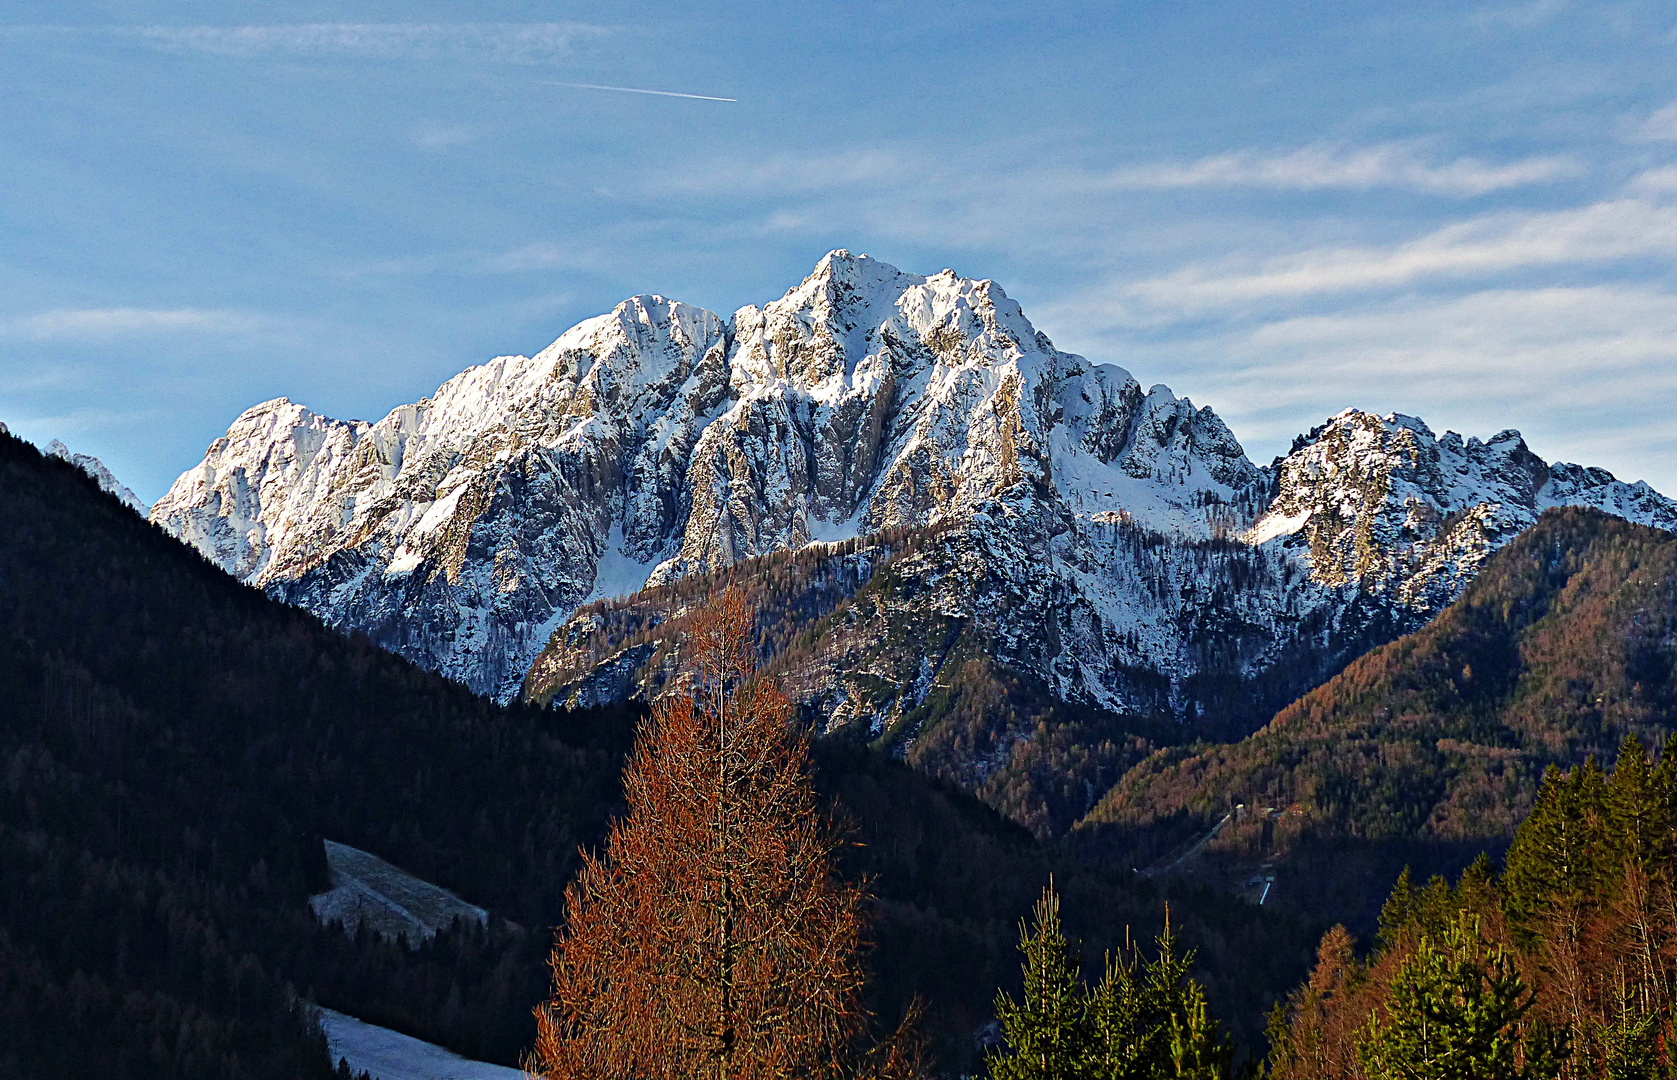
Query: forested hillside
[[1430, 749], [1561, 963], [174, 745]]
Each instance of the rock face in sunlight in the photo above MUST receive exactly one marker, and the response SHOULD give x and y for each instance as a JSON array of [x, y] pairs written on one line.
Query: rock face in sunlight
[[1112, 544], [660, 440]]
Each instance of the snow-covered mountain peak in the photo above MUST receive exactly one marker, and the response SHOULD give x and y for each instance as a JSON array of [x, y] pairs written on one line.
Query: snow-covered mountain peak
[[1385, 502], [658, 440], [95, 468]]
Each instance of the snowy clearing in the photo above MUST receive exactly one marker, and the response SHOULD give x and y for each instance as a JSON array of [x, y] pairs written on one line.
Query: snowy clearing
[[391, 902], [390, 1055]]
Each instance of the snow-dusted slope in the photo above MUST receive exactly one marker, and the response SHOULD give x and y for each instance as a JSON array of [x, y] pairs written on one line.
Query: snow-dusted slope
[[370, 894], [95, 468], [1383, 502], [384, 1054], [660, 440]]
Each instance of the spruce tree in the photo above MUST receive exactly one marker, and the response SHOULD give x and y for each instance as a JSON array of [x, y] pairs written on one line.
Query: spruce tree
[[1047, 1034], [1637, 820], [1195, 1048], [1151, 1021], [1630, 1043], [1398, 911], [1455, 1012], [1555, 863]]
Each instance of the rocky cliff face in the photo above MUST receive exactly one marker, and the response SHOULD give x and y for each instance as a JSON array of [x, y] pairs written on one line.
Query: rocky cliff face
[[1112, 546], [661, 440], [1383, 503]]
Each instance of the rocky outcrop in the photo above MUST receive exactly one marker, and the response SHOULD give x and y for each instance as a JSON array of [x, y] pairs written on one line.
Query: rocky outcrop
[[661, 440], [95, 468], [1114, 543], [1383, 503]]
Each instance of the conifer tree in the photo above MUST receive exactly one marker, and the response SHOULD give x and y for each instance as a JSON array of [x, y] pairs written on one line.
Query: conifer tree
[[713, 939], [1047, 1033], [1629, 1043], [1555, 863], [1145, 1020], [1635, 815], [1151, 1021], [1454, 1013], [1398, 911]]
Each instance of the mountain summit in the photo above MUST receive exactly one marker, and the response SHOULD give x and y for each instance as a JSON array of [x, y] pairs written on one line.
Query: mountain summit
[[661, 439], [1112, 547]]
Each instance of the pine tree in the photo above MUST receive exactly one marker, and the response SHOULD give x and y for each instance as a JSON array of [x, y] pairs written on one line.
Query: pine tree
[[1636, 818], [713, 939], [1047, 1032], [1454, 1013], [1555, 864]]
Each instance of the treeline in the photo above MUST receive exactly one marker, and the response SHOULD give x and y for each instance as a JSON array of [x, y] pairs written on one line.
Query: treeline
[[1561, 963]]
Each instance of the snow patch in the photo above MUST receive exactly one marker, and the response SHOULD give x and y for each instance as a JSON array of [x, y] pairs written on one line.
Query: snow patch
[[367, 891], [617, 573], [1271, 526], [389, 1055], [832, 532]]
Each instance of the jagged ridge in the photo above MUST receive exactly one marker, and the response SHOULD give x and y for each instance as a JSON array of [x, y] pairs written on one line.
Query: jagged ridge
[[1111, 549]]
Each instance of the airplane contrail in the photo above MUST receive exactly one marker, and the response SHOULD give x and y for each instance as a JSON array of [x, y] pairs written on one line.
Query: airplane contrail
[[637, 90]]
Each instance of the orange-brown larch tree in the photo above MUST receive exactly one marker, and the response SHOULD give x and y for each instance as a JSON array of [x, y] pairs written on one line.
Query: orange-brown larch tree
[[714, 938]]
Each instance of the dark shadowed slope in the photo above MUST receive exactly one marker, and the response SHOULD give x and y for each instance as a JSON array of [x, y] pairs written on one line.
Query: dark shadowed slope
[[1431, 747], [173, 745]]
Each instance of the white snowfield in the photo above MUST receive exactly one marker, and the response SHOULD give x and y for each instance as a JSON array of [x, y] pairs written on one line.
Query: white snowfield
[[1124, 537], [369, 892], [390, 1055]]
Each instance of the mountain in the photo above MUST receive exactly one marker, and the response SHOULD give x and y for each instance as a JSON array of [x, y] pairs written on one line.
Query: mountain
[[1089, 553], [1431, 746], [174, 747], [660, 440], [95, 468]]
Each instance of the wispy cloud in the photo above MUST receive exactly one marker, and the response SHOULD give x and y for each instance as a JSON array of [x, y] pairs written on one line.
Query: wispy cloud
[[103, 323], [498, 42], [536, 256], [1497, 243], [1588, 373], [1315, 168], [1516, 16], [1400, 165], [442, 136], [1660, 126]]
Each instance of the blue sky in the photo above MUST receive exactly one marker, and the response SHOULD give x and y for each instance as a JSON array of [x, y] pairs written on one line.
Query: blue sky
[[1280, 210]]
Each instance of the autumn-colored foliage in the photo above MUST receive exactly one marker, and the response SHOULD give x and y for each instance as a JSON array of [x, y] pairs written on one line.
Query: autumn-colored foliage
[[713, 938], [1564, 964]]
